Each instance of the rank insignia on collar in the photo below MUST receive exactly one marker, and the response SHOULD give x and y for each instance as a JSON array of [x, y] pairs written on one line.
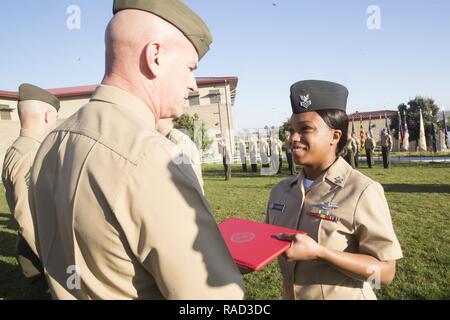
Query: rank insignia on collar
[[338, 180]]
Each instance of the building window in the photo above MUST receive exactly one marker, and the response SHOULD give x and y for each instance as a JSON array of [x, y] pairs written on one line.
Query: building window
[[5, 112], [214, 96], [194, 100]]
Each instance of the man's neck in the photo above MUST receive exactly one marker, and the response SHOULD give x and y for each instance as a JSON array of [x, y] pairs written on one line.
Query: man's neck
[[139, 91]]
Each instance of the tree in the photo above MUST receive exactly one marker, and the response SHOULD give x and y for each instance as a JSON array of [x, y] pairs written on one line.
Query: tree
[[411, 111], [285, 127], [196, 130]]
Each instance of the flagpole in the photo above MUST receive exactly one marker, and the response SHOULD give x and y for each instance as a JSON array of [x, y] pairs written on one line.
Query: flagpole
[[432, 138], [445, 133]]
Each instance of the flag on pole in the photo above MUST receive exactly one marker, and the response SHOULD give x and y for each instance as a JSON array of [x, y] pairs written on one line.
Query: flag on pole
[[433, 134], [386, 124], [401, 132], [422, 140], [362, 135], [405, 140], [444, 130], [370, 127]]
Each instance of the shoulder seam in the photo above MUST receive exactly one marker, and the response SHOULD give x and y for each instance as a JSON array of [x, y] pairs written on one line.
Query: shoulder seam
[[368, 184], [98, 140]]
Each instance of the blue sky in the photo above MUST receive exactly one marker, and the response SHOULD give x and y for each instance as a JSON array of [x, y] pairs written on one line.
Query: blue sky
[[268, 44]]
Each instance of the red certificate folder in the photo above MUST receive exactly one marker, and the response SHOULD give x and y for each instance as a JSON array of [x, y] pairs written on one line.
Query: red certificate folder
[[254, 245]]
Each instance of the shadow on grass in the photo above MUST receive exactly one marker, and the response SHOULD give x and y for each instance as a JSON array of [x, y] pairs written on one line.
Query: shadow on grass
[[14, 286], [8, 221], [215, 174], [417, 188], [8, 244]]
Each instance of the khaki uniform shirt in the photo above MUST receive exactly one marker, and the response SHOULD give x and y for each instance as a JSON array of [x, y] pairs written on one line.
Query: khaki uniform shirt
[[16, 179], [370, 144], [352, 145], [113, 210], [365, 227], [386, 141]]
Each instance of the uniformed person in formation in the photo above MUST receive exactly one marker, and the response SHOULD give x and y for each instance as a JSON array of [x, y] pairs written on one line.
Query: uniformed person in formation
[[116, 216], [349, 153], [386, 148], [264, 152], [288, 150], [226, 158], [370, 148], [350, 239], [38, 111], [253, 151], [243, 154], [275, 155], [357, 149]]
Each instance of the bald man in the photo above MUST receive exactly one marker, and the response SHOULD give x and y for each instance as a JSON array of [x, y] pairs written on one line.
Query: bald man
[[37, 113], [117, 215]]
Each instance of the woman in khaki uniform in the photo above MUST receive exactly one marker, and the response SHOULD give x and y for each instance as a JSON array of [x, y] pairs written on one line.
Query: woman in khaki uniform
[[351, 243]]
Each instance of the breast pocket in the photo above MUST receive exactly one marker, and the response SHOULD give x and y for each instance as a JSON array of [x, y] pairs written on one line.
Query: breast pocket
[[337, 235]]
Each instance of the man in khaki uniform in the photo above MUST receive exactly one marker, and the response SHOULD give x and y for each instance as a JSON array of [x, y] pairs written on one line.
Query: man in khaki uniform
[[226, 158], [370, 147], [357, 145], [351, 149], [344, 213], [386, 148], [288, 150], [117, 217], [37, 113]]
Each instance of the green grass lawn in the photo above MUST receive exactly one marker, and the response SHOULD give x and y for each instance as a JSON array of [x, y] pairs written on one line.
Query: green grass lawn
[[418, 195]]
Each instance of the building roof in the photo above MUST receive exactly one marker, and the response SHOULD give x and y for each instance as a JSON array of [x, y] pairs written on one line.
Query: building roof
[[81, 91], [373, 115]]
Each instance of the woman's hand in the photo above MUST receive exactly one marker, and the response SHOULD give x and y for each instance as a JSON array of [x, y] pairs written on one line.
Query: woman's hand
[[355, 265], [303, 247]]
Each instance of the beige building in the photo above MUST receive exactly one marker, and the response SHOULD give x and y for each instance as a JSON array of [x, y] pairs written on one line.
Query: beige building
[[213, 103]]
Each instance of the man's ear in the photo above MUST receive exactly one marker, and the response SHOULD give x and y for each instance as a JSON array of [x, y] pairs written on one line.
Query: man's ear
[[152, 58]]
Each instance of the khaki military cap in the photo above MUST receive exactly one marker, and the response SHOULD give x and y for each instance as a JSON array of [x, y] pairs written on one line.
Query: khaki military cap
[[31, 92], [176, 13]]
